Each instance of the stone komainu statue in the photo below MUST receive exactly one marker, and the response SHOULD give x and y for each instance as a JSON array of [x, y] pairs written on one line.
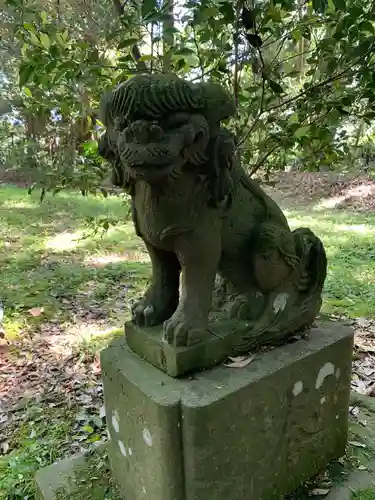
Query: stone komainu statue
[[200, 216]]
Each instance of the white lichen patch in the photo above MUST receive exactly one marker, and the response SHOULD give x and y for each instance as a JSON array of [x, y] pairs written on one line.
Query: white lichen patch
[[122, 448], [298, 388], [280, 302], [326, 370], [109, 435], [116, 421], [338, 373], [144, 490], [323, 400], [147, 438], [130, 451]]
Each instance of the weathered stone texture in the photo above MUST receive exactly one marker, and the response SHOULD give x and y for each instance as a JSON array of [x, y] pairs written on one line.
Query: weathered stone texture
[[71, 478], [253, 433], [144, 421]]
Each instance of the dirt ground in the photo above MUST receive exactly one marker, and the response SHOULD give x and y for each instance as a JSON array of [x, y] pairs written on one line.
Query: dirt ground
[[344, 191]]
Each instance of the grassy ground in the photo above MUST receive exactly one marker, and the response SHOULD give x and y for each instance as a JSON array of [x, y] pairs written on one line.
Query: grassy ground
[[349, 242], [46, 260], [65, 291]]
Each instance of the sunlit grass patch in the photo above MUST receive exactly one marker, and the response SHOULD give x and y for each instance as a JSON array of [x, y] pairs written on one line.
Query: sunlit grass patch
[[50, 258], [349, 239], [48, 253]]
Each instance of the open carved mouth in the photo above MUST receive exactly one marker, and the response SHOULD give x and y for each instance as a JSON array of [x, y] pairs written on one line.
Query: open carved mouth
[[155, 172], [151, 151]]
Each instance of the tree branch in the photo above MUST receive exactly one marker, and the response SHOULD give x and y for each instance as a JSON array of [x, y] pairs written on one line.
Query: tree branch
[[260, 162], [331, 79], [236, 40], [136, 53]]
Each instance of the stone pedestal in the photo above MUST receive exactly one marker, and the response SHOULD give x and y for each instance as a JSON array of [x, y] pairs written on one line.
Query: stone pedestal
[[252, 433]]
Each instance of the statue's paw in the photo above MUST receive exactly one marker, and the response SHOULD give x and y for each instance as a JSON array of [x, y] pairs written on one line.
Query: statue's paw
[[148, 313], [180, 332], [143, 313]]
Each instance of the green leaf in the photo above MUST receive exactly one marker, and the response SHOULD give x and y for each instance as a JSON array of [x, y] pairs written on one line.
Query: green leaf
[[180, 64], [340, 5], [28, 26], [60, 40], [302, 131], [254, 40], [320, 5], [153, 17], [296, 35], [183, 51], [147, 57], [127, 43], [170, 30], [45, 41], [209, 13], [275, 87], [44, 16], [275, 14], [27, 91], [88, 429], [148, 7], [34, 39], [367, 26], [293, 119], [94, 438], [25, 72], [90, 146]]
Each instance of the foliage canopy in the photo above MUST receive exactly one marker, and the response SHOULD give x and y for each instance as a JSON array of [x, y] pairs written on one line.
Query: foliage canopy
[[302, 74]]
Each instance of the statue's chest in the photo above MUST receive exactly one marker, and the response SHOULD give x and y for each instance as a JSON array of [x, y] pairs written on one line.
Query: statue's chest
[[163, 214]]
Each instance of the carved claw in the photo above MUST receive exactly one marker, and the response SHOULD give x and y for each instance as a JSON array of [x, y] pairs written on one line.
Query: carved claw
[[143, 314], [181, 333], [148, 312]]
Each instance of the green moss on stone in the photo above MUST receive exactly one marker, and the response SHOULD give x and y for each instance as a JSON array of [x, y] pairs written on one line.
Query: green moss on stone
[[93, 480]]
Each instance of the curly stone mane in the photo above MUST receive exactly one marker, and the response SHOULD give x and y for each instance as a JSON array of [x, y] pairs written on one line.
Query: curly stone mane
[[154, 96]]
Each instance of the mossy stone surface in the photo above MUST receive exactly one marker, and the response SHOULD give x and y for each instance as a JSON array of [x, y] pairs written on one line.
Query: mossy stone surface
[[85, 476], [253, 433]]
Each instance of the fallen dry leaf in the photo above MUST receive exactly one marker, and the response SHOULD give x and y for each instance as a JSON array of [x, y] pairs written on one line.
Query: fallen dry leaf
[[357, 444], [239, 361], [36, 311], [319, 492], [4, 447]]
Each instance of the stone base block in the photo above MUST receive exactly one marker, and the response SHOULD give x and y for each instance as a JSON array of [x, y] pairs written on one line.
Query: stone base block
[[252, 433], [179, 361], [84, 476]]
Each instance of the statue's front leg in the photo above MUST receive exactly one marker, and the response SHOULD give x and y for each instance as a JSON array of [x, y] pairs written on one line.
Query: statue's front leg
[[161, 299], [199, 255]]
